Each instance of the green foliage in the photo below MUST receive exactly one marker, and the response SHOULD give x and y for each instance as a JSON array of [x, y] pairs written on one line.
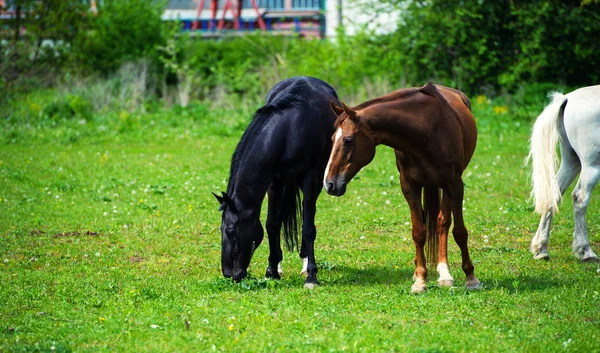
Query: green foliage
[[122, 31], [487, 45]]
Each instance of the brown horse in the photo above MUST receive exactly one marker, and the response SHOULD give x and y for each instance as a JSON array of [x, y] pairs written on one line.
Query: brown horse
[[434, 135]]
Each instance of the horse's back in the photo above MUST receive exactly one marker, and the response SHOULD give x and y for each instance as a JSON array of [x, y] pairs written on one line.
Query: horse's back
[[582, 122], [309, 85], [301, 123], [461, 104]]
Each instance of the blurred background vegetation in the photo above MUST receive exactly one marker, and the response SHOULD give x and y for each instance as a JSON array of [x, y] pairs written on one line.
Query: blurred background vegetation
[[123, 69]]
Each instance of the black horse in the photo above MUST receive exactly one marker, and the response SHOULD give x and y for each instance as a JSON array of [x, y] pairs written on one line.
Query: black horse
[[284, 150]]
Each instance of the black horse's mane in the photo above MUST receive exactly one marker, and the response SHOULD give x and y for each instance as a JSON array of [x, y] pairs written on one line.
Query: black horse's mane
[[258, 120]]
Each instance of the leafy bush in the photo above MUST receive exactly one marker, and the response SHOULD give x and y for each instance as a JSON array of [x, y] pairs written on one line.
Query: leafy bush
[[486, 45], [122, 31]]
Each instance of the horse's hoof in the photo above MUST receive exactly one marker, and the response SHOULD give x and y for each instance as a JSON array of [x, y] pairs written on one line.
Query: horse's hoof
[[270, 274], [591, 259], [304, 273], [541, 256], [310, 285], [417, 289], [279, 269], [445, 282], [474, 284]]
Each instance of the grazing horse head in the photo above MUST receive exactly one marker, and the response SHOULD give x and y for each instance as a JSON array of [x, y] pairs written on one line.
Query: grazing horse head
[[353, 148], [241, 234]]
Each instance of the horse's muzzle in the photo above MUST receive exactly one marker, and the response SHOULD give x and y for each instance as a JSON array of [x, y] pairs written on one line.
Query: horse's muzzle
[[335, 187], [238, 275]]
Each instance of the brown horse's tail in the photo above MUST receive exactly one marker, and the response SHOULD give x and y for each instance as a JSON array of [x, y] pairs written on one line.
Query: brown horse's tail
[[431, 206]]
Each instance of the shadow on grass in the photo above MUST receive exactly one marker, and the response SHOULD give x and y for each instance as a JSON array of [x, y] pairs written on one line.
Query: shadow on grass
[[524, 283], [372, 275], [338, 275]]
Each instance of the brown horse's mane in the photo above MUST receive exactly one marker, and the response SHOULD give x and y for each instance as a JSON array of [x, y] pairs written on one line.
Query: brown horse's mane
[[397, 94]]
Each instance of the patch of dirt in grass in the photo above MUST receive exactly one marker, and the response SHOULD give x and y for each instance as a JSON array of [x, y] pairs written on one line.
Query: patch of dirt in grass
[[135, 259], [76, 234]]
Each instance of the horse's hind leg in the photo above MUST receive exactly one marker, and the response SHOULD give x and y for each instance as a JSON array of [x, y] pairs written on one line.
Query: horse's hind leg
[[569, 168], [460, 233], [581, 198], [311, 187], [274, 223], [444, 221]]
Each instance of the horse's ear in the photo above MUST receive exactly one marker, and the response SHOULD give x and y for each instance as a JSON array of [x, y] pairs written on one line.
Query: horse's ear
[[219, 198], [351, 113], [337, 110], [224, 200], [227, 199]]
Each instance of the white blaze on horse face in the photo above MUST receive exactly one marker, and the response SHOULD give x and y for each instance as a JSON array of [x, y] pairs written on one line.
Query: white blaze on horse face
[[338, 136]]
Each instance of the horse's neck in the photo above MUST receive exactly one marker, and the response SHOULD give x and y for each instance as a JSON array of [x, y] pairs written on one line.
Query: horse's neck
[[250, 183], [396, 130]]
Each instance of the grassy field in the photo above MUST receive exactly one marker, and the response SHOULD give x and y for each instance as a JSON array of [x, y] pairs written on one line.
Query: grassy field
[[111, 242]]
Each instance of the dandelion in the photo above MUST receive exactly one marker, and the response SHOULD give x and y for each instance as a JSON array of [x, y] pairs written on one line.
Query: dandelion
[[387, 202], [157, 214], [230, 328], [125, 226], [97, 254], [105, 214], [154, 326], [101, 319], [481, 99], [502, 109]]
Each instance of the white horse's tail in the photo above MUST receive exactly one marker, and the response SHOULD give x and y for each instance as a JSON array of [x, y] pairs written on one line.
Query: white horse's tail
[[546, 192]]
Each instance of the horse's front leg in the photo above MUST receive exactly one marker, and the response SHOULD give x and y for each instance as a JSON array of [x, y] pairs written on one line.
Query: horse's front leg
[[311, 187], [274, 223], [412, 194]]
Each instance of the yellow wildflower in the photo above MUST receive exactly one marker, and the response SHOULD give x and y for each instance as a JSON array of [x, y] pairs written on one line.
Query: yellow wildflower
[[502, 109]]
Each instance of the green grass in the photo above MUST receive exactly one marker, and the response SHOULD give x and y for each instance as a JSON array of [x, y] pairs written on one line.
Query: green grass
[[111, 242]]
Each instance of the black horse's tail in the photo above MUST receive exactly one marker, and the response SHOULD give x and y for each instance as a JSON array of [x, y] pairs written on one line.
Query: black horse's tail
[[290, 212], [431, 205]]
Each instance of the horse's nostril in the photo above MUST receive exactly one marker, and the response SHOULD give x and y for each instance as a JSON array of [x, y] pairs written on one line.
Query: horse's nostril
[[330, 185]]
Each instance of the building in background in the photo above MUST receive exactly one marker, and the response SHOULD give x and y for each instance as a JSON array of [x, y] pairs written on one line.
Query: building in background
[[309, 18]]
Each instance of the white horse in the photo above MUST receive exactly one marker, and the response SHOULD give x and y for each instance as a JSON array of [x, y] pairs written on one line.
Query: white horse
[[573, 118]]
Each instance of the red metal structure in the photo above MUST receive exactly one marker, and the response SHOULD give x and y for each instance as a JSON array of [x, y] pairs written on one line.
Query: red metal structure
[[236, 12]]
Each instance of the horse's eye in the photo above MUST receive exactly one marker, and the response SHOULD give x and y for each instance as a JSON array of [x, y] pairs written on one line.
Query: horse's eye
[[348, 140]]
